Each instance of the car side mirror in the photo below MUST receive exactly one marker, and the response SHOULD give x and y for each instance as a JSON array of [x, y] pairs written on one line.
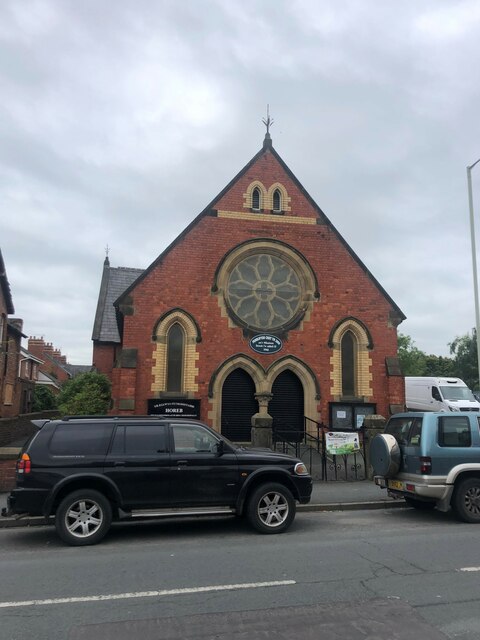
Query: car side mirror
[[220, 448]]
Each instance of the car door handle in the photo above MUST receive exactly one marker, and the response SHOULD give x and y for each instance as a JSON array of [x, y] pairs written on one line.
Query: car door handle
[[119, 463], [181, 463]]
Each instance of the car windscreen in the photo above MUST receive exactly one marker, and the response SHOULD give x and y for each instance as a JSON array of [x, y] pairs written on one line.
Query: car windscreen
[[457, 393]]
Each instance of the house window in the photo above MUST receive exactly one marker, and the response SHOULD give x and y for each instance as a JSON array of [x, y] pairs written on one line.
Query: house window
[[277, 200], [348, 364], [256, 199], [175, 349]]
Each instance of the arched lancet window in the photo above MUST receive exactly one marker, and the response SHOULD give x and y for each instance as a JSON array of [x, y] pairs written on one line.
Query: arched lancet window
[[277, 200], [256, 199], [175, 348], [348, 348]]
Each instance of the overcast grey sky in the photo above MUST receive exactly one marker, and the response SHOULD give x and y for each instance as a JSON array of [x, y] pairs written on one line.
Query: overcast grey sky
[[120, 121]]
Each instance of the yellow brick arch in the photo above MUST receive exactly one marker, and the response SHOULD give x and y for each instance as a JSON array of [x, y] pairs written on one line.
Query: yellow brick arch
[[285, 200], [362, 360], [248, 195], [190, 354]]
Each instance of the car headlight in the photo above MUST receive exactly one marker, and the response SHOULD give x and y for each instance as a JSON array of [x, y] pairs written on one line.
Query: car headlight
[[454, 408], [300, 469]]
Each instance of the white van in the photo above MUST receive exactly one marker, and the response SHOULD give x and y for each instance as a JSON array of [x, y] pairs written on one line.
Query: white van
[[439, 394]]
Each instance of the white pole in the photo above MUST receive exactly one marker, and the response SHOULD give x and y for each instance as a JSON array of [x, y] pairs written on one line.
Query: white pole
[[474, 262]]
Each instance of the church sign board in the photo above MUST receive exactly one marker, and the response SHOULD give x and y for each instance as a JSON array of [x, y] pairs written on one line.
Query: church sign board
[[174, 408]]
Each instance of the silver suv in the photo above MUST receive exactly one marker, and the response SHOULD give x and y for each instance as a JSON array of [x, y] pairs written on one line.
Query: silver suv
[[431, 460]]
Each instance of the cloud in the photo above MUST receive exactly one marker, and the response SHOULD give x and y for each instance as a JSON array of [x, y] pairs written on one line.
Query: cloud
[[119, 127]]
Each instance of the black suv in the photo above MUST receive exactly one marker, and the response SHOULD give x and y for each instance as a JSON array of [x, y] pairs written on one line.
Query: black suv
[[89, 470]]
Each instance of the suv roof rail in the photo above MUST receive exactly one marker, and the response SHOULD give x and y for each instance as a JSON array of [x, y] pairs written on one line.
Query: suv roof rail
[[102, 417], [40, 423]]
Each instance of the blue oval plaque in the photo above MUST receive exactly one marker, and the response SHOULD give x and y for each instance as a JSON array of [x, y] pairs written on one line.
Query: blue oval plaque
[[266, 343]]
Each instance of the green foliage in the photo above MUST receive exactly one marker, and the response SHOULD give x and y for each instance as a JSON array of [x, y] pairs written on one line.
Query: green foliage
[[412, 360], [87, 393], [415, 362], [464, 351], [43, 399]]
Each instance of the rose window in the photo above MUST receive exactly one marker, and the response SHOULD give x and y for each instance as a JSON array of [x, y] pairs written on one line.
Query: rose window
[[264, 292]]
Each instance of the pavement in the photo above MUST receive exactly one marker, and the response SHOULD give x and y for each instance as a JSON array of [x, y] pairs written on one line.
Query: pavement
[[326, 496]]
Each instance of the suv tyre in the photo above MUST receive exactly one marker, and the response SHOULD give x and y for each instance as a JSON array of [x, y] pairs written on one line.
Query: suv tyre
[[83, 517], [271, 508], [466, 500]]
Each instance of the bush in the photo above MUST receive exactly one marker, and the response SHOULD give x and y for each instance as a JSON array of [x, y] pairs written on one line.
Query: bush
[[86, 394], [43, 399]]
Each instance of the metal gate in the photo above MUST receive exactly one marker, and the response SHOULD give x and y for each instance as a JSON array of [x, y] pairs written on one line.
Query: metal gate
[[238, 406], [287, 407]]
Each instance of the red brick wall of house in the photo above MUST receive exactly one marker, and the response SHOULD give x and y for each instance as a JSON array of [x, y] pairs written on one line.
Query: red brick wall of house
[[7, 472], [41, 349], [186, 273]]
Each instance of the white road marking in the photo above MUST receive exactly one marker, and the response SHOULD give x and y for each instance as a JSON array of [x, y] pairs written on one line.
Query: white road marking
[[470, 569], [147, 594]]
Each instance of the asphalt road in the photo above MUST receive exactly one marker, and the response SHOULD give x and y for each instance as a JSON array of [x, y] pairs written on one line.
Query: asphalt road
[[396, 574]]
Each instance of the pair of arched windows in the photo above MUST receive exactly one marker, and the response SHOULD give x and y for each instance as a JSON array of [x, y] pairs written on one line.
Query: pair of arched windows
[[257, 200]]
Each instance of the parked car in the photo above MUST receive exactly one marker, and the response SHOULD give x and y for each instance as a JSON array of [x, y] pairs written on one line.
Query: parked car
[[431, 460], [439, 394], [89, 470]]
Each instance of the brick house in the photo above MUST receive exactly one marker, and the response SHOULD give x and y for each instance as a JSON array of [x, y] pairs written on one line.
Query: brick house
[[53, 363], [258, 309], [10, 343]]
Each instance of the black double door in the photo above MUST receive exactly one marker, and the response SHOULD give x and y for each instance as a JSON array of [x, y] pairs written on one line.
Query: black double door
[[239, 405]]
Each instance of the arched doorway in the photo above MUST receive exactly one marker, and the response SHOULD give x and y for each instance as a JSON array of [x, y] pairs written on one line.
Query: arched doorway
[[287, 407], [238, 406]]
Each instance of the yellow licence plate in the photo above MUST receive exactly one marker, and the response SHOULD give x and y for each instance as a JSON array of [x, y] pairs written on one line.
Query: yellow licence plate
[[395, 484]]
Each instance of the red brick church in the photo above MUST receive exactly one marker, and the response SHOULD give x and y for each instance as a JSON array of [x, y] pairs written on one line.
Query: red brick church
[[260, 309]]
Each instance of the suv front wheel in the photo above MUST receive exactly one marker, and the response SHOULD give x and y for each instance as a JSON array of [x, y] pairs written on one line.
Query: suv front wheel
[[466, 500], [83, 517], [271, 508]]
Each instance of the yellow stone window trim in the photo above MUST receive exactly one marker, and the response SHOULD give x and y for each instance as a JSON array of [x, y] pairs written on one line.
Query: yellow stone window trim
[[285, 200], [362, 363], [309, 293], [248, 196], [190, 354]]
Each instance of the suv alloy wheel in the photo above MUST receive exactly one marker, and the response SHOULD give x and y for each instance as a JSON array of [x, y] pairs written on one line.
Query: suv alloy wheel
[[83, 517], [271, 508], [466, 500]]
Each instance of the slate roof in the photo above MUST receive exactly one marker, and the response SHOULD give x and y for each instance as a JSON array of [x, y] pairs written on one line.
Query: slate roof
[[115, 280]]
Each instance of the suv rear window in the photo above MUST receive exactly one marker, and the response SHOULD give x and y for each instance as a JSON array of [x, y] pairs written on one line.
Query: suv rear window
[[80, 439], [454, 431], [406, 430]]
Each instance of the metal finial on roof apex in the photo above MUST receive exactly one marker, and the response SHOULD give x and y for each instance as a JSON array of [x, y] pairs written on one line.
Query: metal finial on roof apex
[[268, 122], [107, 261]]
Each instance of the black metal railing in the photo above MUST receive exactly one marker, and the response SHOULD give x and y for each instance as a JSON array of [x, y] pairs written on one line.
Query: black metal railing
[[310, 446]]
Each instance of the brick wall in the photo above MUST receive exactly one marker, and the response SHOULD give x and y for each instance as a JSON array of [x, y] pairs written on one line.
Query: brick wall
[[8, 459], [14, 431]]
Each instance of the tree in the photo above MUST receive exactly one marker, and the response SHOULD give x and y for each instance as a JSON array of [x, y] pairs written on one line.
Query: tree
[[464, 351], [87, 393], [412, 360], [43, 399], [415, 362]]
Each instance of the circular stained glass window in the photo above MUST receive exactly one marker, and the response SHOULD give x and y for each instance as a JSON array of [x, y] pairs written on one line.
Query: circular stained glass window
[[264, 292]]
